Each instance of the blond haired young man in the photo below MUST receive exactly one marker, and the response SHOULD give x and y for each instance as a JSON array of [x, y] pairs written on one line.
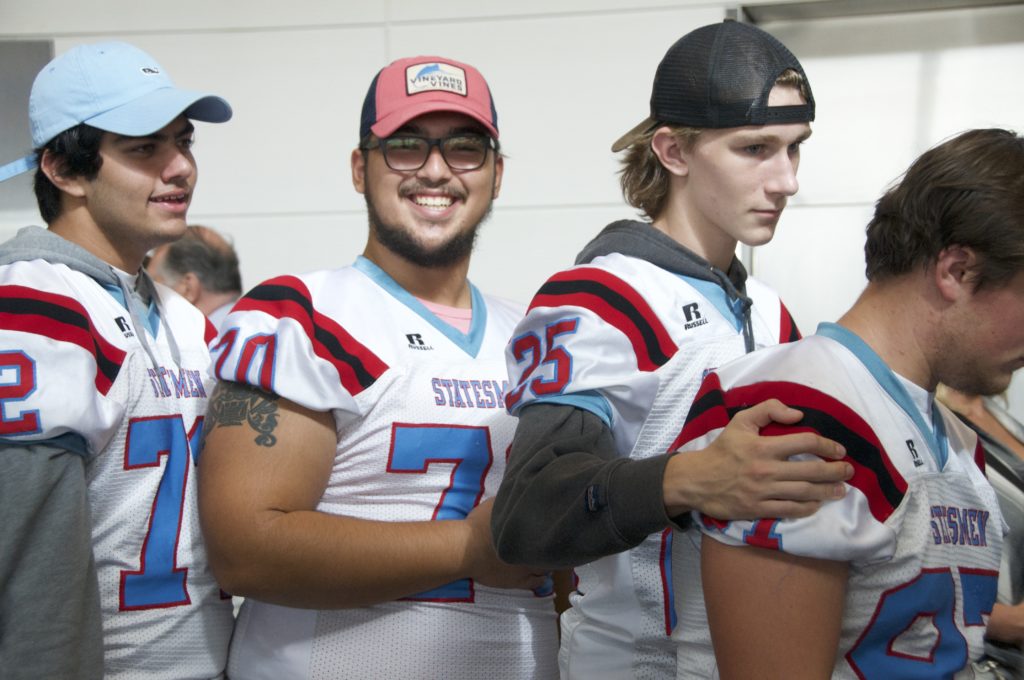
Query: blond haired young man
[[612, 351]]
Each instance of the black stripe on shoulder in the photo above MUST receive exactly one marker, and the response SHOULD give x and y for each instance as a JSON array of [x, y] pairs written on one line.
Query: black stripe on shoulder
[[618, 302]]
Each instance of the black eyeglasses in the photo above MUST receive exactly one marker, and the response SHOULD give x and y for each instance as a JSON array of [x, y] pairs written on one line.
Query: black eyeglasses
[[464, 151]]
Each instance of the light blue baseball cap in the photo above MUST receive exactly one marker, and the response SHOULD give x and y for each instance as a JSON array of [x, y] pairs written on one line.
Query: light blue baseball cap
[[112, 86]]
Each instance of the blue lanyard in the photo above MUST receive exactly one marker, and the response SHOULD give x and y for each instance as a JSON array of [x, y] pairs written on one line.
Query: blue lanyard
[[935, 435]]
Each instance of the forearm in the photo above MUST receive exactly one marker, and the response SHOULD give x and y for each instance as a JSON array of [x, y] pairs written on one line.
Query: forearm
[[50, 622], [567, 497], [316, 560], [1006, 624], [258, 500]]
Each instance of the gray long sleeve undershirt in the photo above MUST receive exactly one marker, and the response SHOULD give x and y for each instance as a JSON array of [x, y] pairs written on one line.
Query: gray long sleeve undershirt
[[568, 497], [50, 621]]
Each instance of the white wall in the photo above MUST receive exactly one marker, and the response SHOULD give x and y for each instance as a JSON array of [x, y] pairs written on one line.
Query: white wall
[[568, 76]]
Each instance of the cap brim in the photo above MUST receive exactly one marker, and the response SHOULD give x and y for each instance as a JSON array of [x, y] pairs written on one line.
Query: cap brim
[[154, 110], [387, 125], [630, 137]]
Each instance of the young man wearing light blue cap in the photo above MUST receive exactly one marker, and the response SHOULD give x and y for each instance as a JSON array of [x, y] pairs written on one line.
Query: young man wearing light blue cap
[[103, 387]]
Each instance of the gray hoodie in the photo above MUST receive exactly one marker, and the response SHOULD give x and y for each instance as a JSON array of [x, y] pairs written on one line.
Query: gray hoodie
[[50, 621]]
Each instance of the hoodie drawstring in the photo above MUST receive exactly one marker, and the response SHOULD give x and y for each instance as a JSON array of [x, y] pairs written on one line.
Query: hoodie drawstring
[[136, 302], [745, 304]]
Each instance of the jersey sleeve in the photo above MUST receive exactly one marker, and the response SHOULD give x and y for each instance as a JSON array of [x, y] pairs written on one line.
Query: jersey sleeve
[[276, 340], [859, 528], [577, 322], [57, 369]]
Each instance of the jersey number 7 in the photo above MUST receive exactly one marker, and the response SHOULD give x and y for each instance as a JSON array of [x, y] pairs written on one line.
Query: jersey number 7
[[159, 582], [468, 450]]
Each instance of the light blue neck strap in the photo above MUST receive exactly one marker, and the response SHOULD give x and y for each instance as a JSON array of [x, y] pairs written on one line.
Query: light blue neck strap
[[934, 435]]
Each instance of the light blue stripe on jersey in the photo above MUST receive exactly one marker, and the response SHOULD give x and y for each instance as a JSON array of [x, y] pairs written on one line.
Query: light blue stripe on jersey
[[934, 436], [716, 295], [468, 342], [153, 314], [589, 401]]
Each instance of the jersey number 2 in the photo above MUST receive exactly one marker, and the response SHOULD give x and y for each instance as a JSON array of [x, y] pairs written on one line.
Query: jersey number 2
[[17, 381], [468, 450], [159, 582]]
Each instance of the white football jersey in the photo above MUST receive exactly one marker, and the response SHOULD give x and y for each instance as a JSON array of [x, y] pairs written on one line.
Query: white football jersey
[[630, 342], [920, 526], [76, 375], [422, 435]]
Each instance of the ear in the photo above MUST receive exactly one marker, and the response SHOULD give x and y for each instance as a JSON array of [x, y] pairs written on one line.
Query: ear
[[670, 152], [52, 167], [954, 272], [358, 162], [499, 171], [189, 287]]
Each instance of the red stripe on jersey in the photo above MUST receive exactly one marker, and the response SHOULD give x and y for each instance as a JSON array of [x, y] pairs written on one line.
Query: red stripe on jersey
[[979, 455], [63, 319], [788, 331], [210, 332], [618, 304], [286, 297], [874, 474], [707, 413]]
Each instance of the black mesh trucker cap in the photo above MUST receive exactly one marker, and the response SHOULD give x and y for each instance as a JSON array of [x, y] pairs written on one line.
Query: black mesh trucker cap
[[719, 76]]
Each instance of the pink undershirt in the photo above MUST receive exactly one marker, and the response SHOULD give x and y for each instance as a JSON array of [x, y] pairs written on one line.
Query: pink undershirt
[[457, 317]]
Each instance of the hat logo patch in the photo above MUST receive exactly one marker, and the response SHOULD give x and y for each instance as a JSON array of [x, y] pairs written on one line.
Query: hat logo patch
[[150, 71], [435, 77]]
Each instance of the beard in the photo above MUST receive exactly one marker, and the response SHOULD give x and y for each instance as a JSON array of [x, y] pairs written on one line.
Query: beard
[[402, 241], [986, 385]]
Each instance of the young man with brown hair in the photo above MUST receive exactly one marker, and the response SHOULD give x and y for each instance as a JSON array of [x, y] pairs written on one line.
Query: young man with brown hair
[[898, 579], [104, 389]]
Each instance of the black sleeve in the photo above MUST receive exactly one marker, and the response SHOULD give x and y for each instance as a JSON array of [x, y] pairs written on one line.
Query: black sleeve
[[568, 497], [50, 624]]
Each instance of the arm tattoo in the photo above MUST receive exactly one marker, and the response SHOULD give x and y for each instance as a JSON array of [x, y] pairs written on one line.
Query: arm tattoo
[[234, 404]]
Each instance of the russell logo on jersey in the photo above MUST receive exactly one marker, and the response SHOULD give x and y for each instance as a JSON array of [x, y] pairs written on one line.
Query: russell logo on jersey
[[122, 323], [693, 316], [416, 341]]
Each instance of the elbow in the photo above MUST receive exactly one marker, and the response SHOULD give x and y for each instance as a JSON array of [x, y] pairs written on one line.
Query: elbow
[[508, 550], [236, 555], [234, 573], [516, 543], [506, 531]]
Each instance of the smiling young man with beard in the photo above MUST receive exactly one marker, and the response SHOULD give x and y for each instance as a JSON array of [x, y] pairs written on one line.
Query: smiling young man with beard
[[360, 432], [103, 393]]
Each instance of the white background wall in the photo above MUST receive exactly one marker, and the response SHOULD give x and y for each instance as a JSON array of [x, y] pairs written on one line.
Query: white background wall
[[568, 76]]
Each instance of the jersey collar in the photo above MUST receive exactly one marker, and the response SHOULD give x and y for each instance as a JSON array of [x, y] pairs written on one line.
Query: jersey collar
[[470, 342], [935, 434]]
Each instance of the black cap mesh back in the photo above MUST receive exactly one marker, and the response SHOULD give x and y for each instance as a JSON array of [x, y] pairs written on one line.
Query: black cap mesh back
[[720, 76]]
